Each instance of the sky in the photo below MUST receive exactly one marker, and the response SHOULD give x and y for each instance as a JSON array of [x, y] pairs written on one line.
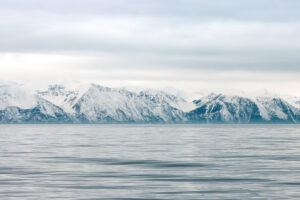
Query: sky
[[191, 45]]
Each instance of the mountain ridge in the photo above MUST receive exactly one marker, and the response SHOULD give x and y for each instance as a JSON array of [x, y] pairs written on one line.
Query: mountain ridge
[[99, 104]]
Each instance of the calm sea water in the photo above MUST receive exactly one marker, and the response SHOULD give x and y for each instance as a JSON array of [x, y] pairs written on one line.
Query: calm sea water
[[149, 162]]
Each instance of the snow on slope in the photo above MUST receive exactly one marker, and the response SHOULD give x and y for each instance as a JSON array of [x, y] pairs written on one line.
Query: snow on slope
[[20, 105], [97, 104], [224, 108], [111, 104], [293, 100], [227, 108], [269, 108], [101, 103], [173, 100], [62, 97]]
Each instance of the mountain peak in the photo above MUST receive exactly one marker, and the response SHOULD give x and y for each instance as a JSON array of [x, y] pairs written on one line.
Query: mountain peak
[[95, 103]]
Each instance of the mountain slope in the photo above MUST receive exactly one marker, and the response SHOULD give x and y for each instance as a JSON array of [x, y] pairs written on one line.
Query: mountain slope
[[102, 104], [278, 110], [219, 108], [228, 109], [98, 104], [62, 97], [19, 105]]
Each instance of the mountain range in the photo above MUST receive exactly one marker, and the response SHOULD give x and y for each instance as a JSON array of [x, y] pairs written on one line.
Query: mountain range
[[98, 104]]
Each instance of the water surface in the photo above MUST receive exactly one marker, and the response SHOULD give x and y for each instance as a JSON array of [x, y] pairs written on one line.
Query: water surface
[[149, 162]]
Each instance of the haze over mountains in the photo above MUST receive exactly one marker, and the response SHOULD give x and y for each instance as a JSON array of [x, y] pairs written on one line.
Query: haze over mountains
[[99, 104]]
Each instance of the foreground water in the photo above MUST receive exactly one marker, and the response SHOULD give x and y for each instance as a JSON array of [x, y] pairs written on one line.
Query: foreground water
[[149, 161]]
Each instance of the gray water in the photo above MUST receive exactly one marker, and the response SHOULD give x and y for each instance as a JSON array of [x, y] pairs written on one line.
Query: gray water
[[149, 162]]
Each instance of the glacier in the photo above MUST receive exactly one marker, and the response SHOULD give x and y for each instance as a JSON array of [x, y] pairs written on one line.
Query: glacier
[[98, 104]]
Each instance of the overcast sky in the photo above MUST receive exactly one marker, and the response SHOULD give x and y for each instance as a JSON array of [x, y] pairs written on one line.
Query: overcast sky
[[187, 44]]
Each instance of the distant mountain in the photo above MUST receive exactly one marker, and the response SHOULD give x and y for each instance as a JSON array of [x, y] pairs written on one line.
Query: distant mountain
[[98, 104], [219, 108], [60, 96], [18, 105]]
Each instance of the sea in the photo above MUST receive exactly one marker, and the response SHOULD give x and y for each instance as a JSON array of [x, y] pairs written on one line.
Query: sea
[[178, 161]]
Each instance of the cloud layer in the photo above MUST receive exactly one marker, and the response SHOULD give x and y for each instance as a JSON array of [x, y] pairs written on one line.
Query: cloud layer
[[222, 43]]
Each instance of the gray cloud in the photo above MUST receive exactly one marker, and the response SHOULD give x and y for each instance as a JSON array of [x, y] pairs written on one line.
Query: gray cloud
[[257, 36], [224, 9]]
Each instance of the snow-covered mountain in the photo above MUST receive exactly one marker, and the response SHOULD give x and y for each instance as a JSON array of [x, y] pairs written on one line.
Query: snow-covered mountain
[[62, 97], [221, 108], [97, 104], [19, 105], [102, 104]]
